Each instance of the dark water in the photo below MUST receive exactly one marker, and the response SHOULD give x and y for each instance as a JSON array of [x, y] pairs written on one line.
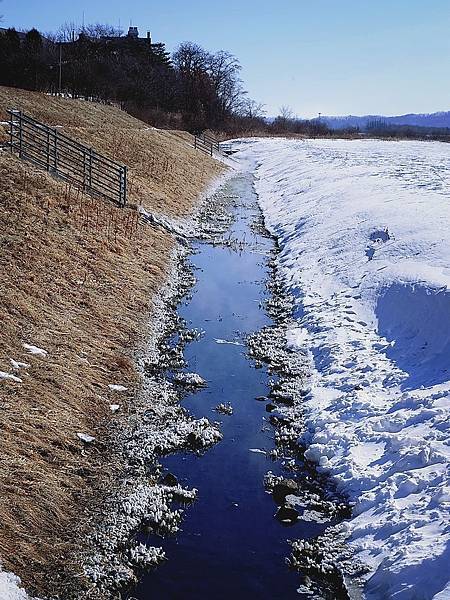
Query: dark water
[[230, 546]]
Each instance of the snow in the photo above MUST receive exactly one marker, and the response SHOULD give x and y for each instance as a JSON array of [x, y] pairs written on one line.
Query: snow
[[190, 379], [225, 408], [85, 437], [10, 377], [117, 387], [16, 365], [10, 587], [35, 350], [364, 234]]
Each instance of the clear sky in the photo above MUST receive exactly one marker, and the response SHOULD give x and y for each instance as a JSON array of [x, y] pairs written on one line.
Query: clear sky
[[330, 56]]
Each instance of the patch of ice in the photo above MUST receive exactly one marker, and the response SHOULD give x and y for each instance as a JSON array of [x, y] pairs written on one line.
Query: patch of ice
[[146, 556], [224, 408], [231, 342], [114, 407], [190, 379], [257, 450]]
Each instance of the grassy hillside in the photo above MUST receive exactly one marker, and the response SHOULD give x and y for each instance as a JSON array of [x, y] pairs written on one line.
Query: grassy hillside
[[165, 171], [78, 276]]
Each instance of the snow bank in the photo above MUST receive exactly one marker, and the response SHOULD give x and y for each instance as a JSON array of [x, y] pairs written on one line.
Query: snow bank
[[364, 233]]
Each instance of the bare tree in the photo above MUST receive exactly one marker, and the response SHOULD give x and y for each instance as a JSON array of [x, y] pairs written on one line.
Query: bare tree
[[286, 113], [195, 88], [211, 86], [224, 69], [98, 30], [252, 109], [67, 32], [191, 59], [70, 31]]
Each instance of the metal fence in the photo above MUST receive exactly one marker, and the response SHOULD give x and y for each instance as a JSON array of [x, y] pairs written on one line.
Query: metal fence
[[206, 143], [60, 155]]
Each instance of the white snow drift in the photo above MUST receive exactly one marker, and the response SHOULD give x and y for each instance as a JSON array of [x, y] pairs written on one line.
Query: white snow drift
[[364, 233]]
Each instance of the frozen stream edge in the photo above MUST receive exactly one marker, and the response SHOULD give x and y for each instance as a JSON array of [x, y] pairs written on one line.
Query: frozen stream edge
[[158, 425], [326, 561], [111, 560]]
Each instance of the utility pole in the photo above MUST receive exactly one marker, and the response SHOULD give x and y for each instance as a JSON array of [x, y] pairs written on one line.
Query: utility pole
[[60, 68]]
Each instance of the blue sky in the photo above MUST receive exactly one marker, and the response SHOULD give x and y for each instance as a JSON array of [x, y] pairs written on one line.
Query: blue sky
[[328, 56]]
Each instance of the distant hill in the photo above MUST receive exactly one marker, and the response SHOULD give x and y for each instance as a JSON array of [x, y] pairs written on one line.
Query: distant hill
[[437, 119]]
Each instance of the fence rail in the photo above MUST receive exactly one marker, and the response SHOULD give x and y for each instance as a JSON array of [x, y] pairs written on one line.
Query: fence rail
[[206, 143], [62, 156]]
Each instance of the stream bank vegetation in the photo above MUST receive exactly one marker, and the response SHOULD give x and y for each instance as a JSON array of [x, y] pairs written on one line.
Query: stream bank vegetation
[[80, 282]]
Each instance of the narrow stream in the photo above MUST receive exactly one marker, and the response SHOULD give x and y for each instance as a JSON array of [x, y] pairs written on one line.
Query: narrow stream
[[230, 545]]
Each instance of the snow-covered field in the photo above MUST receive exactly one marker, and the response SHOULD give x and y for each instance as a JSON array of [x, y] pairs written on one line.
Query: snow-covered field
[[364, 232]]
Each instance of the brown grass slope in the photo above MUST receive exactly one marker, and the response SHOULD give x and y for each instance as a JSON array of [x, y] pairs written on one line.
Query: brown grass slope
[[77, 277], [165, 171]]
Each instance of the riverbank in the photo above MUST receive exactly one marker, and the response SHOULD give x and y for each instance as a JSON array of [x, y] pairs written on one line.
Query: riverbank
[[362, 228], [80, 280]]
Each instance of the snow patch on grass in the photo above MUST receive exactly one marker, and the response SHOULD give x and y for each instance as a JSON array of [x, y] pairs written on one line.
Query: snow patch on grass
[[10, 587], [16, 365], [35, 350], [86, 438], [117, 387], [10, 377]]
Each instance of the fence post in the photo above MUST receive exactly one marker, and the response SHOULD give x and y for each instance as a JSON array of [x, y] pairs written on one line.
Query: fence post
[[84, 170], [19, 114], [55, 150], [90, 168], [11, 131], [123, 185], [48, 149]]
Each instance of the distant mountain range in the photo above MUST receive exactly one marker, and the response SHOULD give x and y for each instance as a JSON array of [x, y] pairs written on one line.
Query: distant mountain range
[[437, 119]]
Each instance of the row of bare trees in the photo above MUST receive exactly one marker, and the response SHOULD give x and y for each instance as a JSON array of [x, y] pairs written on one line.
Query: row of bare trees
[[193, 88]]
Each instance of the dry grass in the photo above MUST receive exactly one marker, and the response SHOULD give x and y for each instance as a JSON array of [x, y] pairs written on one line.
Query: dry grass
[[77, 278], [165, 171]]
